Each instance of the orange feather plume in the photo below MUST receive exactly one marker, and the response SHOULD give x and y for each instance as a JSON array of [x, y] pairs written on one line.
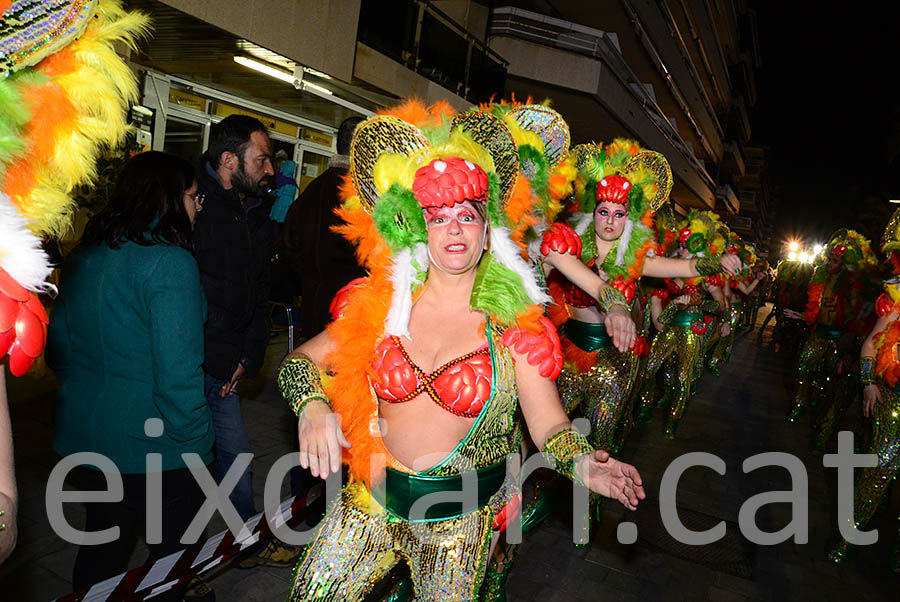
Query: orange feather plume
[[415, 112], [577, 358], [886, 365], [812, 305], [356, 335]]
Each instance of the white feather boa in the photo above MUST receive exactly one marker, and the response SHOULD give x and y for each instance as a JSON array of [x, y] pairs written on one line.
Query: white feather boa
[[582, 221], [404, 273], [506, 253], [21, 254], [623, 242]]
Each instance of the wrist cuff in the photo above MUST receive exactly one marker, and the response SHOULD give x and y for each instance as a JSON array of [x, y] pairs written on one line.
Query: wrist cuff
[[566, 447], [299, 383]]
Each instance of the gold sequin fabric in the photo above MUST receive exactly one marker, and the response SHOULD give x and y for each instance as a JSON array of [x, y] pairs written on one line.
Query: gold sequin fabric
[[34, 29], [375, 137], [299, 382], [873, 483], [721, 350], [662, 180], [549, 126], [491, 133], [675, 351], [358, 544], [565, 447], [815, 368], [600, 394]]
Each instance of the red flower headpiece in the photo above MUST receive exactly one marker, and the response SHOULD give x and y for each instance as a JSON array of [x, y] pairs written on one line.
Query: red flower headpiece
[[446, 182], [613, 189]]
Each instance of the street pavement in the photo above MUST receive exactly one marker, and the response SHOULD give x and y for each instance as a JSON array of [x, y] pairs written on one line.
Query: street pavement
[[733, 416]]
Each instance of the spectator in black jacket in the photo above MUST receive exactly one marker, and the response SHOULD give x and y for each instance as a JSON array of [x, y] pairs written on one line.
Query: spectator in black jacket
[[324, 260], [233, 242]]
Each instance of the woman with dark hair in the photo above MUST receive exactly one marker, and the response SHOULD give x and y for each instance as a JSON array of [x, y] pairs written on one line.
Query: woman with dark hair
[[126, 341]]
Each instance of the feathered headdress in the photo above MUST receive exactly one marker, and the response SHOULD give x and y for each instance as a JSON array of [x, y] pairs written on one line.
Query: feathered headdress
[[546, 172], [702, 234], [63, 95], [403, 160], [623, 173]]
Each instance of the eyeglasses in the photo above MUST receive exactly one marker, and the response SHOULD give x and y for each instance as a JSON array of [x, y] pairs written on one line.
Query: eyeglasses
[[197, 198]]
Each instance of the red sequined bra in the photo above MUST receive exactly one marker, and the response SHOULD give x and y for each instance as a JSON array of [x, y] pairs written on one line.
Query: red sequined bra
[[461, 386]]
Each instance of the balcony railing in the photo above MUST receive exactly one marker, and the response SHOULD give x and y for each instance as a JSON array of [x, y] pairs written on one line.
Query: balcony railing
[[594, 43], [420, 36]]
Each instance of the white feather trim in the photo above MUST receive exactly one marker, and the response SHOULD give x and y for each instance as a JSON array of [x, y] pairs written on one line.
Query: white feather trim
[[506, 253], [582, 221], [21, 254], [404, 273], [623, 242], [534, 247]]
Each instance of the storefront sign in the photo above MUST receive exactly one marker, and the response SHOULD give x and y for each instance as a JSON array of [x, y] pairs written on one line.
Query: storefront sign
[[186, 99], [316, 137], [282, 127]]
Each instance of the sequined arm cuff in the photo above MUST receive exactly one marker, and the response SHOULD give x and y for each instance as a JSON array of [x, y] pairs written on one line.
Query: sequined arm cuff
[[610, 297], [707, 266], [711, 306], [566, 447], [299, 382], [668, 312], [867, 370]]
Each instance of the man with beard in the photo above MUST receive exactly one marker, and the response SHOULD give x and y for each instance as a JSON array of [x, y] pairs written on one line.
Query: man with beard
[[233, 243]]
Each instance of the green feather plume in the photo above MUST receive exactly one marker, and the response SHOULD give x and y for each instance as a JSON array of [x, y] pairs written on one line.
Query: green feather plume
[[498, 291], [398, 218]]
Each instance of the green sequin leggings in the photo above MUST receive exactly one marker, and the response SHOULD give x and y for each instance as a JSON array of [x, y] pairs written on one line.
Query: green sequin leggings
[[873, 483], [818, 361], [676, 350], [355, 548], [601, 393]]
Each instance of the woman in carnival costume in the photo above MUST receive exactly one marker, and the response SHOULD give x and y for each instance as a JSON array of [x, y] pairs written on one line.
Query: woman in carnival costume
[[683, 319], [790, 294], [63, 96], [618, 190], [735, 290], [429, 363], [879, 372], [834, 301]]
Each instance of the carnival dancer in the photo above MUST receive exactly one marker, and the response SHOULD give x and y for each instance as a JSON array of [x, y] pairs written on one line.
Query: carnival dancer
[[790, 294], [879, 371], [63, 96], [735, 290], [756, 297], [618, 189], [678, 311], [834, 299], [430, 361]]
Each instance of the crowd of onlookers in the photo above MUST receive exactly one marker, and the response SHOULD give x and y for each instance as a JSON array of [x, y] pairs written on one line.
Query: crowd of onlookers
[[163, 309]]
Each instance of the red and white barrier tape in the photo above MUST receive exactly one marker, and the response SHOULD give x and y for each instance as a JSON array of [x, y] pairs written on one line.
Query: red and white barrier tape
[[150, 580]]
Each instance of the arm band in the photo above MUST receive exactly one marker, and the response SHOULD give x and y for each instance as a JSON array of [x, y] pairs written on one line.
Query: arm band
[[707, 266], [867, 370], [299, 383], [566, 447], [610, 297], [668, 312]]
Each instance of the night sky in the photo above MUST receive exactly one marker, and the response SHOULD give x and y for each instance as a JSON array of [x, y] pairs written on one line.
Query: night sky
[[829, 109]]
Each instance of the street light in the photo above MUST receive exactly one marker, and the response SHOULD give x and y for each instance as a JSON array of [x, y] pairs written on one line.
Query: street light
[[811, 259], [792, 256], [803, 256], [794, 245], [817, 249]]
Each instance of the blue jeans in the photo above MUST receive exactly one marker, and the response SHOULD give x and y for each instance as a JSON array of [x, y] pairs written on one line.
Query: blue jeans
[[231, 440]]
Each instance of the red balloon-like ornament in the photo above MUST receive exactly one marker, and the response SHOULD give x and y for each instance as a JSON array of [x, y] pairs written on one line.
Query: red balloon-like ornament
[[23, 325]]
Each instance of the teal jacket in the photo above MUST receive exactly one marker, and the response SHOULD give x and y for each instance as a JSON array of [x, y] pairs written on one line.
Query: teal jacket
[[126, 342]]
